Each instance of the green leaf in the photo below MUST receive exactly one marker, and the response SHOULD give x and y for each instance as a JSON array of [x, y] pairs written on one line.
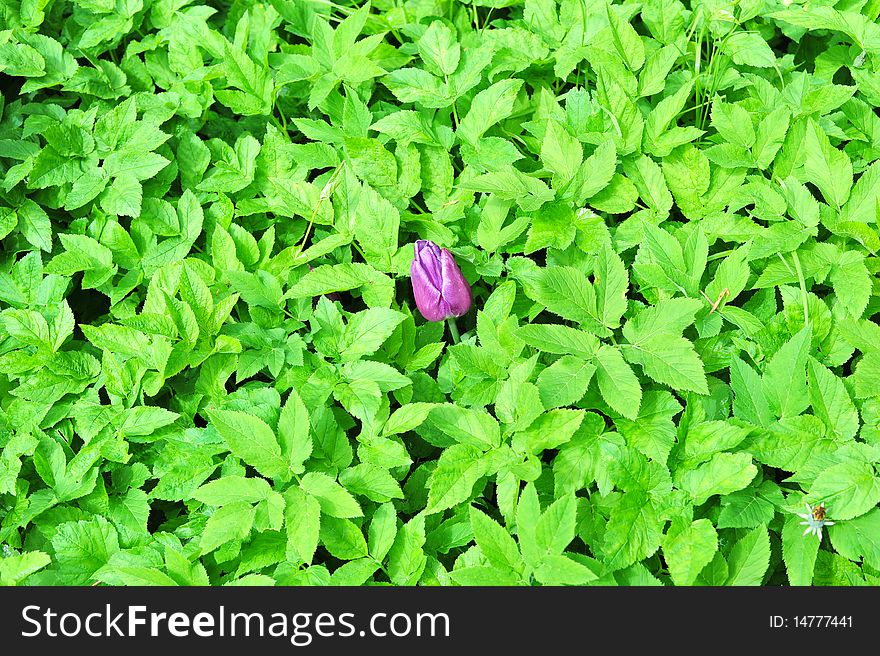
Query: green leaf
[[413, 85], [784, 381], [372, 482], [232, 489], [488, 107], [566, 291], [688, 549], [562, 570], [371, 161], [480, 575], [707, 438], [852, 283], [343, 539], [633, 531], [827, 167], [850, 23], [611, 282], [407, 418], [251, 440], [848, 489], [293, 432], [561, 153], [657, 345], [439, 48], [862, 203], [830, 400], [27, 326], [231, 522], [466, 425], [597, 177], [145, 420], [327, 279], [34, 224], [14, 569], [723, 474], [866, 378], [406, 559], [858, 539], [377, 228], [555, 529], [134, 575], [82, 548], [382, 531], [260, 289], [334, 499], [302, 517], [750, 402], [548, 431], [367, 331], [733, 123], [253, 90], [618, 384], [124, 196], [749, 558], [746, 508], [749, 49], [559, 339], [495, 543], [21, 60], [511, 184], [452, 481], [361, 397], [8, 221], [799, 552], [652, 432], [671, 360], [565, 381], [688, 175], [626, 40]]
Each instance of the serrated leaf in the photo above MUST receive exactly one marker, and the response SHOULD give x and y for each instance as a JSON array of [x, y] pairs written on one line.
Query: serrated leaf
[[458, 469], [799, 552], [251, 439], [749, 558], [689, 550]]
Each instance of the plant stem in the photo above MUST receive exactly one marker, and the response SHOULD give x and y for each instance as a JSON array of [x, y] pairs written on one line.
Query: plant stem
[[453, 330], [583, 5], [331, 185], [455, 119], [486, 22], [803, 284]]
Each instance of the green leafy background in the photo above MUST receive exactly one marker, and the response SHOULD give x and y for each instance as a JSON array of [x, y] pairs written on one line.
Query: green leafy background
[[211, 366]]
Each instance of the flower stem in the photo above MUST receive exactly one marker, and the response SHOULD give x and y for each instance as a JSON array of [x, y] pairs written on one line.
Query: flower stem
[[453, 330]]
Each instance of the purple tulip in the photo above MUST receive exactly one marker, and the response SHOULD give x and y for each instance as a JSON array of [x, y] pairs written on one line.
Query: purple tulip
[[439, 287]]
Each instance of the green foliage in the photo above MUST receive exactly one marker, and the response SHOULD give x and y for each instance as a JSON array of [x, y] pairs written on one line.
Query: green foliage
[[212, 370]]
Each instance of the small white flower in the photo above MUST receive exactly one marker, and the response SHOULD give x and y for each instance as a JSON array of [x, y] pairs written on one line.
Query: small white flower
[[815, 517]]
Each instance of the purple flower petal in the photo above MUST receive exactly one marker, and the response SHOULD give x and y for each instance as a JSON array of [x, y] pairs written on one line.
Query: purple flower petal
[[428, 255], [439, 287], [455, 289]]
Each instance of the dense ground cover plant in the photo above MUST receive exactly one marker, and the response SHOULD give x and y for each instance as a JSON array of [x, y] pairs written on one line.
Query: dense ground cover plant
[[212, 368]]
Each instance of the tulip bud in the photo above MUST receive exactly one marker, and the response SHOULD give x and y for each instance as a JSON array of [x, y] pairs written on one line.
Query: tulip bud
[[439, 287]]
